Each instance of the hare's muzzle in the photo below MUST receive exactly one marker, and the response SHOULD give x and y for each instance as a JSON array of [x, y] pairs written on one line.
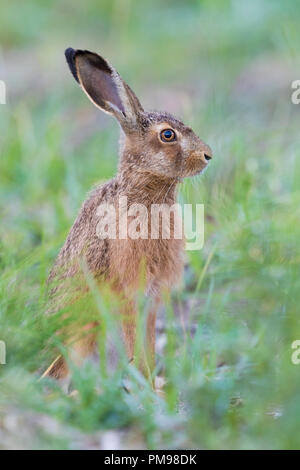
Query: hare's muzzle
[[204, 156], [206, 153]]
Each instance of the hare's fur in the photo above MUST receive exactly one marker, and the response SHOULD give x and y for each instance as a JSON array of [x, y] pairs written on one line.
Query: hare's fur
[[149, 172]]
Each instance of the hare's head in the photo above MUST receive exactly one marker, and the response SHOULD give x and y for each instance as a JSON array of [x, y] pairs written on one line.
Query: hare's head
[[153, 142]]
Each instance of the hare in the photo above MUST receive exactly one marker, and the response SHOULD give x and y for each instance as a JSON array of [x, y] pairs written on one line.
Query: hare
[[156, 152]]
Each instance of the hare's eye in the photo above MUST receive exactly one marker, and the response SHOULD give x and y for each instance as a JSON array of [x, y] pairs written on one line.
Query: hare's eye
[[168, 135]]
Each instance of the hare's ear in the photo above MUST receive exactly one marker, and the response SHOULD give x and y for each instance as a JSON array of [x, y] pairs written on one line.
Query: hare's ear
[[104, 86]]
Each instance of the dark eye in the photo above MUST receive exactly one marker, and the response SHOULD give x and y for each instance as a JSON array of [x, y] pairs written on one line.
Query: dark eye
[[168, 135]]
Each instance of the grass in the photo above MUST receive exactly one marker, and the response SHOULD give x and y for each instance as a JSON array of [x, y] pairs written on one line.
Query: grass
[[226, 67]]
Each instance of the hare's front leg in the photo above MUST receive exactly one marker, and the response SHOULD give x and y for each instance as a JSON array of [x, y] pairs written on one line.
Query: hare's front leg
[[129, 317], [142, 354], [151, 332]]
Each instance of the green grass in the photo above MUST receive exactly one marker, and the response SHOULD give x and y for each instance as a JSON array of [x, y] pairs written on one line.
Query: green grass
[[226, 67]]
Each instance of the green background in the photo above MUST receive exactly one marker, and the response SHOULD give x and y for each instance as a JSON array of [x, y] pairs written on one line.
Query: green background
[[225, 68]]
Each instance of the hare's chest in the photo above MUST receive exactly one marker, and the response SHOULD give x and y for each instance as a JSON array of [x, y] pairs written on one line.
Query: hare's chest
[[164, 264], [156, 263]]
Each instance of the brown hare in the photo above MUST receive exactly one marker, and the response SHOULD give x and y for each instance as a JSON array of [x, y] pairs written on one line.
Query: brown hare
[[156, 152]]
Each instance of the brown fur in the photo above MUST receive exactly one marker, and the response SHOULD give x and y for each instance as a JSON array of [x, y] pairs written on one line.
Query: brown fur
[[148, 173]]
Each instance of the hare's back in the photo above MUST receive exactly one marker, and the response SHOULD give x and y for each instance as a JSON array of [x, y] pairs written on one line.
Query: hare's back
[[82, 242]]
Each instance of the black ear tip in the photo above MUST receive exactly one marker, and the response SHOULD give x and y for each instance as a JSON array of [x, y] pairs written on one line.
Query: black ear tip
[[70, 57]]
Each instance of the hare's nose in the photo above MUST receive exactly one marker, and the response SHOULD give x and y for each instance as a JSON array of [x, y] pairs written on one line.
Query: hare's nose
[[205, 156], [207, 153]]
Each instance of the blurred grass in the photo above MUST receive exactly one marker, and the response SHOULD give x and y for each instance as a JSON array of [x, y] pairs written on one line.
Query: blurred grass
[[226, 67]]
